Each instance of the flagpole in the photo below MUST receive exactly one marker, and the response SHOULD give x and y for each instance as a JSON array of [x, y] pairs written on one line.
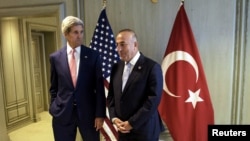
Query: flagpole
[[104, 2], [182, 2]]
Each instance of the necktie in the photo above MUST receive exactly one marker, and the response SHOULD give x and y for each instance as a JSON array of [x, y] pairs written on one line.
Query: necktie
[[72, 66], [126, 74]]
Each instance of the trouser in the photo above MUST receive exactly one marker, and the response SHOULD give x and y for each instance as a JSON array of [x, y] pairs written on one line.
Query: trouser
[[67, 131]]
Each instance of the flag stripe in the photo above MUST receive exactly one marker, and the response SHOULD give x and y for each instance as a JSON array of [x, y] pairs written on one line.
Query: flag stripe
[[104, 133], [112, 130]]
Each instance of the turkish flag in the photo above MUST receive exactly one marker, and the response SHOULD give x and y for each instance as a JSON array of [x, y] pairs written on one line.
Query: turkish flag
[[185, 106]]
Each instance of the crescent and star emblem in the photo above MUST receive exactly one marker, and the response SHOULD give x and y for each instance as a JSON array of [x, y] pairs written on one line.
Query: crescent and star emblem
[[181, 56]]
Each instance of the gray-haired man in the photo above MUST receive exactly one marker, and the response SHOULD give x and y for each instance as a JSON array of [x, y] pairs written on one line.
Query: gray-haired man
[[77, 90]]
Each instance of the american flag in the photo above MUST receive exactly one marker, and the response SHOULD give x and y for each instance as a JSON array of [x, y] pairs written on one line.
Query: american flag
[[103, 41]]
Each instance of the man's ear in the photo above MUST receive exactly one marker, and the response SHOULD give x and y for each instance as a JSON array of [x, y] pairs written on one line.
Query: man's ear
[[136, 44]]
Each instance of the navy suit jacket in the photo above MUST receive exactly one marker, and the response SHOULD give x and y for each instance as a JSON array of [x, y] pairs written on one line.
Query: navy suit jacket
[[89, 93], [140, 98]]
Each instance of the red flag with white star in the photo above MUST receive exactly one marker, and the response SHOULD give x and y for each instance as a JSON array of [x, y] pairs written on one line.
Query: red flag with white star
[[185, 106]]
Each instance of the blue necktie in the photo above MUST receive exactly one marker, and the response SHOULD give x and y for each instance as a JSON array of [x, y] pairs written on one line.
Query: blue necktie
[[126, 74]]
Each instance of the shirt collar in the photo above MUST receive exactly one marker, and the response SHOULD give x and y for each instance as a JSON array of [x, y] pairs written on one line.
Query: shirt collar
[[134, 59], [69, 48]]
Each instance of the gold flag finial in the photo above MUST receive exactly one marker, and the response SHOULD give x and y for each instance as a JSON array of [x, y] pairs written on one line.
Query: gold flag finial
[[104, 2]]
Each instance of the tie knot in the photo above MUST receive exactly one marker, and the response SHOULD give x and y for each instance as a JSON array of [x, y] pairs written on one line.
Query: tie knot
[[129, 65], [72, 52]]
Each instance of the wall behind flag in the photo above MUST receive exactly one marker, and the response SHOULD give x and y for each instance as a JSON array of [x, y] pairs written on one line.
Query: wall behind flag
[[220, 34]]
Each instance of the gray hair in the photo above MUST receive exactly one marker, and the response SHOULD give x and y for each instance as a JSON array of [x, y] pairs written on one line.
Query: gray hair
[[70, 21], [129, 30]]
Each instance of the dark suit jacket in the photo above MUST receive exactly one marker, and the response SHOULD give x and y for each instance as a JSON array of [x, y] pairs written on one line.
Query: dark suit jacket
[[89, 93], [140, 98]]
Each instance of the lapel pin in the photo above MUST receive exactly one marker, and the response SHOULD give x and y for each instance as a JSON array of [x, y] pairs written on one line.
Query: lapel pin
[[139, 67]]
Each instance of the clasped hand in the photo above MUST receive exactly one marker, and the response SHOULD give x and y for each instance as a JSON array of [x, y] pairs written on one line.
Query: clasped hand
[[123, 126]]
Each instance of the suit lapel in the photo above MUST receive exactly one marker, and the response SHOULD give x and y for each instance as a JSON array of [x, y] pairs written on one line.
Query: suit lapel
[[64, 58], [84, 56], [81, 65], [135, 72], [118, 76]]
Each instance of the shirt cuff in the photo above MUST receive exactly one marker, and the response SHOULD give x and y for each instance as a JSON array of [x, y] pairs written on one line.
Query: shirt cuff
[[113, 119]]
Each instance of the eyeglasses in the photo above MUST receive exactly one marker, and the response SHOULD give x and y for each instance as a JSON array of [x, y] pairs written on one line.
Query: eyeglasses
[[121, 44]]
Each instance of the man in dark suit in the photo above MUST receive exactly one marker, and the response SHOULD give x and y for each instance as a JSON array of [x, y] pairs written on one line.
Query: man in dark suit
[[77, 100], [133, 109]]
